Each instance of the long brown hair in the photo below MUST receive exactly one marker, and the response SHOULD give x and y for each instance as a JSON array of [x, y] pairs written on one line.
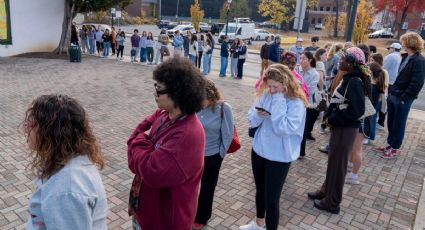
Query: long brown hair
[[282, 74], [62, 132], [378, 76], [212, 94]]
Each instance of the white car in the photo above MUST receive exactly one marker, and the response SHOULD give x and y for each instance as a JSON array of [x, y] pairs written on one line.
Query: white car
[[318, 26], [182, 28], [261, 34], [204, 27], [382, 33]]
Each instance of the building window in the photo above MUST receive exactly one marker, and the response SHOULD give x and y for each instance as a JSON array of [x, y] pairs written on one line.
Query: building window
[[334, 9], [328, 8], [315, 8], [319, 20], [313, 21], [321, 8]]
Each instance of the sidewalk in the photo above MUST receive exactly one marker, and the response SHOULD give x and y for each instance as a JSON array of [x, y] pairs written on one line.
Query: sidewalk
[[117, 95]]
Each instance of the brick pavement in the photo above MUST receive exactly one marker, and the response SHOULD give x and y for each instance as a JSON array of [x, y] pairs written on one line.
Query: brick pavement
[[118, 95]]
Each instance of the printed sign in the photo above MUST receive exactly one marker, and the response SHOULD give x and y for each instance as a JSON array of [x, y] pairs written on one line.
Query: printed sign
[[5, 36]]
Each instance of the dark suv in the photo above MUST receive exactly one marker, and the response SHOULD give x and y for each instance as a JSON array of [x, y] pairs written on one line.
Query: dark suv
[[217, 27]]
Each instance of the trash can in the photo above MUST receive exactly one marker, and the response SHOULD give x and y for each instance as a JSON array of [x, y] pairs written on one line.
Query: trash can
[[74, 53]]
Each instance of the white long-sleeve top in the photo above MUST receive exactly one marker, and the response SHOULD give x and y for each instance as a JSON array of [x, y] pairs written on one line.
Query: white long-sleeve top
[[279, 135], [193, 48]]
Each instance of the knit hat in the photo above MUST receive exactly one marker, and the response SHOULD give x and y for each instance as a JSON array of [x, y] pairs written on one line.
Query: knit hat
[[358, 54]]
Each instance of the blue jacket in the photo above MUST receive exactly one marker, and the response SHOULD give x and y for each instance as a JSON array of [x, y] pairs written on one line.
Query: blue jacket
[[274, 52], [178, 41], [224, 52]]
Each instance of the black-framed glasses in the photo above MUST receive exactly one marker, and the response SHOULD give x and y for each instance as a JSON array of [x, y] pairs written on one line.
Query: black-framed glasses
[[159, 92]]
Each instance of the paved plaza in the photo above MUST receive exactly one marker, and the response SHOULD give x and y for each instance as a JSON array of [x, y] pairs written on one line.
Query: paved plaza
[[118, 95]]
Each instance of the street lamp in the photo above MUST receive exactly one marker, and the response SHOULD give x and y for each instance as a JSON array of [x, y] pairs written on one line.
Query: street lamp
[[227, 15]]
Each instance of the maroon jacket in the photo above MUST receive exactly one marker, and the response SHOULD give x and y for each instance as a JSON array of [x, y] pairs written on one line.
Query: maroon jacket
[[171, 170]]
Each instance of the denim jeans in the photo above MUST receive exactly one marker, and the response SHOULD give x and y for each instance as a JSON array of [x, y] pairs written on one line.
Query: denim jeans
[[192, 59], [84, 45], [205, 64], [157, 55], [142, 54], [209, 62], [92, 46], [106, 49], [223, 66], [234, 67], [397, 118]]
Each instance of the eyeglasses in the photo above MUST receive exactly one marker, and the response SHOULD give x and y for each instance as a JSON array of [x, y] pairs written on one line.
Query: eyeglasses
[[159, 92]]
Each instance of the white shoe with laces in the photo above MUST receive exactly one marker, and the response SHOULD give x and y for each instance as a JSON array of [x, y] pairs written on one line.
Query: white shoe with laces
[[252, 226]]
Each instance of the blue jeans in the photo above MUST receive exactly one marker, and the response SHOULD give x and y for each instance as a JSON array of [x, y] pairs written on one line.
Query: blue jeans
[[106, 46], [209, 62], [234, 67], [397, 118], [223, 66], [206, 64], [370, 123], [142, 54], [192, 59], [92, 46]]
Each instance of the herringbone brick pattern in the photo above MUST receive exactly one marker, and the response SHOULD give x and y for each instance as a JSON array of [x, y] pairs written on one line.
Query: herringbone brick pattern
[[118, 95]]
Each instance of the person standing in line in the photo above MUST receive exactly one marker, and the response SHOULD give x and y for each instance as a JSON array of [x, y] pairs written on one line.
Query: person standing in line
[[344, 112], [314, 47], [298, 49], [234, 58], [66, 159], [201, 43], [209, 36], [84, 39], [186, 42], [143, 45], [150, 44], [106, 43], [391, 64], [279, 116], [206, 48], [99, 41], [264, 55], [163, 39], [113, 40], [217, 119], [74, 34], [120, 39], [92, 40], [313, 80], [166, 151], [178, 42], [242, 53], [406, 88], [193, 49], [224, 56], [135, 41], [274, 56]]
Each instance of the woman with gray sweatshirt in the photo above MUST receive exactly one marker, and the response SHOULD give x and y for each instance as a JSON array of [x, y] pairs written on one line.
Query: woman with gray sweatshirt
[[217, 119]]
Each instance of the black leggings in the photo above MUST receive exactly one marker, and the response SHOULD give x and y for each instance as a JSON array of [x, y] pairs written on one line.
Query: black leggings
[[199, 59], [208, 183], [149, 51], [311, 117], [99, 47], [240, 67], [269, 178], [120, 50]]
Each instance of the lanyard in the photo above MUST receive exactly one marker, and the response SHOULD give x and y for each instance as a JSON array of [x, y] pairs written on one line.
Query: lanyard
[[164, 124]]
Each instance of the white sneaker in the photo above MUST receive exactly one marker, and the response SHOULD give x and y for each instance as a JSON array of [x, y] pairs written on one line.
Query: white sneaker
[[366, 141], [350, 180], [252, 226]]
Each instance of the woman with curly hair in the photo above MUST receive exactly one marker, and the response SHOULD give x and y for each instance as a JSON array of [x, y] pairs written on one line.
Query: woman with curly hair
[[217, 119], [343, 115], [168, 160], [279, 116], [66, 156]]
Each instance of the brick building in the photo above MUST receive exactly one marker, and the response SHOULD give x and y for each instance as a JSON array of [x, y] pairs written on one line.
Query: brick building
[[325, 8]]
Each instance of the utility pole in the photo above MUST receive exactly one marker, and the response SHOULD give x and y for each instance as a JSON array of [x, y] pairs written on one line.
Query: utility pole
[[159, 11], [299, 18], [352, 20], [177, 10]]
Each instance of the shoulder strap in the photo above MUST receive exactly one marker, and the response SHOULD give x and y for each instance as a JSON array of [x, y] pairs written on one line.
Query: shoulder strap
[[222, 110]]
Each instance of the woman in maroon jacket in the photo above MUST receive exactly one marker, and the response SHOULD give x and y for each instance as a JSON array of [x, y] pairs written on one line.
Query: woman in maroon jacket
[[168, 161]]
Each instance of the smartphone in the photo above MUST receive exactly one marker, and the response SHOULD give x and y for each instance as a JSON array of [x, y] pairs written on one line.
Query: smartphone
[[262, 110]]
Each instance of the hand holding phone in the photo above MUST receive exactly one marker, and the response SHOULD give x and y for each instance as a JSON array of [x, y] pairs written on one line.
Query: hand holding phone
[[259, 109]]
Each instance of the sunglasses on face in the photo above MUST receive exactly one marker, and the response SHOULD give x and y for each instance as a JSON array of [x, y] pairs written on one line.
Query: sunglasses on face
[[159, 91]]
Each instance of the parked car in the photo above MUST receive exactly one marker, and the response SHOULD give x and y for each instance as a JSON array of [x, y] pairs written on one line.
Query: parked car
[[217, 27], [382, 33], [182, 28], [163, 23], [318, 26], [261, 34], [204, 27], [268, 24]]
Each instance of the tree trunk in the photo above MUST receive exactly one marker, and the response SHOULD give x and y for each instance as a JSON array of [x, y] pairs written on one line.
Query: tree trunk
[[336, 19], [66, 26], [403, 18], [348, 17]]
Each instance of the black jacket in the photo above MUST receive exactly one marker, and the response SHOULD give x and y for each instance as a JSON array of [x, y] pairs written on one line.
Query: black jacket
[[264, 53], [355, 98], [410, 80]]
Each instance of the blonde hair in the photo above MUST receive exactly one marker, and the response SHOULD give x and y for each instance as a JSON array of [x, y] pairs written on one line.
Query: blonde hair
[[282, 74], [334, 49], [412, 41]]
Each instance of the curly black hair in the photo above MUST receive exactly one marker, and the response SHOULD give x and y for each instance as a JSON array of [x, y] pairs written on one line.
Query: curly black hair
[[184, 83]]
